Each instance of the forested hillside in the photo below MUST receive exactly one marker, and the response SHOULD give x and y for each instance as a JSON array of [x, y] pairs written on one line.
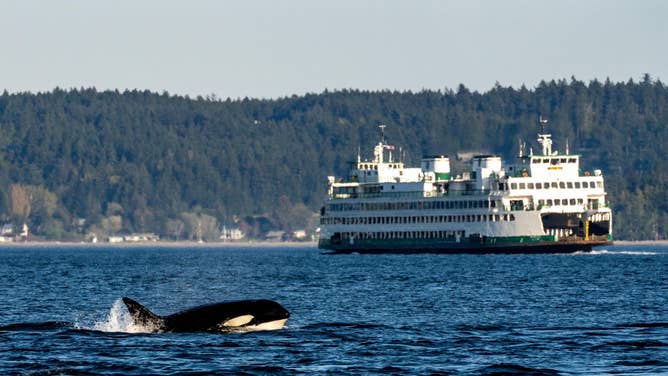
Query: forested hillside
[[80, 161]]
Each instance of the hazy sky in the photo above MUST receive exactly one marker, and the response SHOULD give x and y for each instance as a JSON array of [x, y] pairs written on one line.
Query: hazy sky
[[276, 48]]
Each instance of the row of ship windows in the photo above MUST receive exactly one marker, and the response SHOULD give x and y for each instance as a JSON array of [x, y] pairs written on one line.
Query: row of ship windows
[[563, 201], [445, 235], [554, 161], [558, 185], [416, 219], [415, 205]]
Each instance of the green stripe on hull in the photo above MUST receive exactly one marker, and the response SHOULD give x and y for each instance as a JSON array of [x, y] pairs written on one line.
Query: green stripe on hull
[[492, 240]]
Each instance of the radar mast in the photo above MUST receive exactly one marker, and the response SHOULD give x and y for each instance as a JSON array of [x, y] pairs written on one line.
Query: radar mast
[[544, 138]]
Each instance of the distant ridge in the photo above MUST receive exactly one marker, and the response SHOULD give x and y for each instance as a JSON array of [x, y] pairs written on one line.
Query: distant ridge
[[79, 161]]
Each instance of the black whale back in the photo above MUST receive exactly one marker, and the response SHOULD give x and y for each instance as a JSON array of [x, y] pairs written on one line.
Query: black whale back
[[210, 317]]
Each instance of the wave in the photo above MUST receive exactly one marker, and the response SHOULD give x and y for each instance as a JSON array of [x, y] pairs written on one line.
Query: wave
[[118, 320], [597, 252], [337, 325], [480, 328], [639, 344], [644, 325], [514, 369], [642, 363], [36, 326]]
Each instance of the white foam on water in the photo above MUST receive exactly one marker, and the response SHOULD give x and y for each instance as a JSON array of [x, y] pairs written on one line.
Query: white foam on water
[[118, 320], [606, 252]]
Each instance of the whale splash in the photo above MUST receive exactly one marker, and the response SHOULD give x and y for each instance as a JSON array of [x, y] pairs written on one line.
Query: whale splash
[[118, 320]]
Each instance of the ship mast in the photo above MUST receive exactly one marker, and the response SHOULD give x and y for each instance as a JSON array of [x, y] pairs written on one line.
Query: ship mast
[[544, 138], [378, 150]]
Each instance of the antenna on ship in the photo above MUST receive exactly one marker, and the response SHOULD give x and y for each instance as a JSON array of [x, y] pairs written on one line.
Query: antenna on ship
[[382, 133], [542, 122]]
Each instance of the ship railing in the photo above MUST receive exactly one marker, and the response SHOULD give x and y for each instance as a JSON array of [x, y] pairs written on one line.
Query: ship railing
[[469, 192], [412, 194], [523, 207], [385, 194]]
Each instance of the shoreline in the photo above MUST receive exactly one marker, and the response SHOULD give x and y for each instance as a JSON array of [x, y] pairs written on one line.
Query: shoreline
[[246, 244], [161, 244]]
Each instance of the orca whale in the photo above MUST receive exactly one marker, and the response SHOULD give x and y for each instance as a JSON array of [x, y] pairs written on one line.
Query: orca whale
[[218, 317]]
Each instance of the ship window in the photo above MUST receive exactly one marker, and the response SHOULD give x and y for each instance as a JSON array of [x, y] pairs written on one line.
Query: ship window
[[523, 186], [513, 185], [577, 185], [549, 202], [562, 160], [585, 184], [546, 160], [539, 186], [546, 185], [562, 185], [564, 201], [541, 202], [512, 217], [572, 160], [599, 184], [580, 201], [572, 201], [535, 160], [569, 185], [530, 185], [554, 184], [554, 161]]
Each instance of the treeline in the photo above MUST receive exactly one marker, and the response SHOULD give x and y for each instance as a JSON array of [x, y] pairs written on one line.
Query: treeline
[[74, 162]]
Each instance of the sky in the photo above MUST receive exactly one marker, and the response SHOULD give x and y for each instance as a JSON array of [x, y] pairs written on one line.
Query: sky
[[272, 49]]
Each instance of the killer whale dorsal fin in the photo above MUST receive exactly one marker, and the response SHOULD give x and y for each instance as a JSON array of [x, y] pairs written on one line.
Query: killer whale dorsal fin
[[143, 316]]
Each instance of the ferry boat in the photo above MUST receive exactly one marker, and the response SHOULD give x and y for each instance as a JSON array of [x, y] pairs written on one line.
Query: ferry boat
[[543, 203]]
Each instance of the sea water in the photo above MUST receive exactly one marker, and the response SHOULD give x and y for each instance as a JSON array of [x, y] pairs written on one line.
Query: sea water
[[604, 312]]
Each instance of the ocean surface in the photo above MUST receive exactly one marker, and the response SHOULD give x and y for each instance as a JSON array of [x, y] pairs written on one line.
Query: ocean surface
[[604, 312]]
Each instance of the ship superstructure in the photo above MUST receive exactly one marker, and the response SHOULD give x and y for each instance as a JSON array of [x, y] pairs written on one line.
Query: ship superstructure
[[543, 203]]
